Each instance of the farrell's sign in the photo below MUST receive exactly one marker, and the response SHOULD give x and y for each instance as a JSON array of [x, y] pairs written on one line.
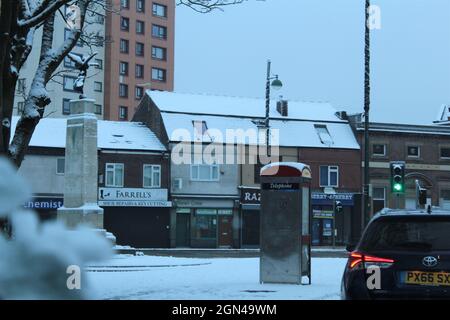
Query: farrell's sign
[[133, 197]]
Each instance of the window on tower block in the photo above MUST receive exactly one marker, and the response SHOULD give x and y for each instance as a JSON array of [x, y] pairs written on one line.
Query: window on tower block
[[159, 10], [159, 32], [158, 53], [123, 90], [139, 71], [123, 113], [139, 49], [158, 74], [124, 24]]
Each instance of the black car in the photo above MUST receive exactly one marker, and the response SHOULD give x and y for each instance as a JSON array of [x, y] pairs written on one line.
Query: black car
[[402, 254]]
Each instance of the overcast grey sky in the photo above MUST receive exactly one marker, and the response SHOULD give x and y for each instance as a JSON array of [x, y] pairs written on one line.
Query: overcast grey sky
[[316, 47]]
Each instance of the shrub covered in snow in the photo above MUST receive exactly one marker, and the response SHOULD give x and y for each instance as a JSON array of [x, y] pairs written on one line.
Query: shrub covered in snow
[[37, 262]]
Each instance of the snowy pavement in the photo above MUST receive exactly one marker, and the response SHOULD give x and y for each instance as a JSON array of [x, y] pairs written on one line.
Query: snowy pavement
[[152, 277]]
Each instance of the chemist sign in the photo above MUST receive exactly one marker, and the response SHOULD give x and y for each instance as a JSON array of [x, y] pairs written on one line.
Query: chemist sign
[[133, 197]]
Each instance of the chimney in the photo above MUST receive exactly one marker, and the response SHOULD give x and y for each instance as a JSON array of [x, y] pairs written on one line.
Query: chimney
[[282, 107]]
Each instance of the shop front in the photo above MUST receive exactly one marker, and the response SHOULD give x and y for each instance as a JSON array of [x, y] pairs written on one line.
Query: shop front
[[328, 227], [45, 206], [137, 217], [205, 223], [250, 217]]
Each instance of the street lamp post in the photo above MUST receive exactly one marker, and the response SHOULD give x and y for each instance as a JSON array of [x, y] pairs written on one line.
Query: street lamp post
[[276, 85], [366, 209]]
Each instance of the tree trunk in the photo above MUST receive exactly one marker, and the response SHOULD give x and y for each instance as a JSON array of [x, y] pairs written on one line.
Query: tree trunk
[[8, 17]]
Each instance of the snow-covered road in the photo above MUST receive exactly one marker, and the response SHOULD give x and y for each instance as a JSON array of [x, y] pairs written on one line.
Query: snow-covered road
[[151, 277]]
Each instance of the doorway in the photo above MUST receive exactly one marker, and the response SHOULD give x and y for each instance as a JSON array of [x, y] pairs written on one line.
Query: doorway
[[183, 230], [225, 231]]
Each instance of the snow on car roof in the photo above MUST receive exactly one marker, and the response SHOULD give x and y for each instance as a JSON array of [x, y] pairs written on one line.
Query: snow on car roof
[[51, 133]]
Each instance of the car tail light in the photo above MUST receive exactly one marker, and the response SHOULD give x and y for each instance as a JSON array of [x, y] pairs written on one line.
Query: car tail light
[[358, 260]]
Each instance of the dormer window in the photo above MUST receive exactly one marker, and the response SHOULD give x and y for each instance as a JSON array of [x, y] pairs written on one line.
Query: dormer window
[[324, 134], [200, 127]]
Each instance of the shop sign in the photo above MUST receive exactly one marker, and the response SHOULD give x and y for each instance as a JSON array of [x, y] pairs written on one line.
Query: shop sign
[[322, 214], [280, 186], [133, 197], [327, 199], [44, 203], [250, 196], [135, 203]]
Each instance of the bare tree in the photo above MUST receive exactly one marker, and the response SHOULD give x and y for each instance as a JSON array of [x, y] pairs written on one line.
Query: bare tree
[[30, 15], [18, 21]]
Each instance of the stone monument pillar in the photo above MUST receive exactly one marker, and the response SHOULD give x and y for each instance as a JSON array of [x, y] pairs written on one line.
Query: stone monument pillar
[[81, 168]]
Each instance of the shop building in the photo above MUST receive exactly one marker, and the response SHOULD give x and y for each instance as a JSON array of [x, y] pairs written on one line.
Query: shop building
[[133, 179], [308, 132], [426, 152]]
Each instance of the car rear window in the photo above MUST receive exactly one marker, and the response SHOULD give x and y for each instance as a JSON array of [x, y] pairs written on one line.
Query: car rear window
[[408, 233]]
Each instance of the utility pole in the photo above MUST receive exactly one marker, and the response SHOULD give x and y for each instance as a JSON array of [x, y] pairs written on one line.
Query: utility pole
[[366, 202]]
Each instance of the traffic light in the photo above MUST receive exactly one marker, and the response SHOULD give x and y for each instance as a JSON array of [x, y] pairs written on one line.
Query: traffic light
[[398, 177], [338, 206]]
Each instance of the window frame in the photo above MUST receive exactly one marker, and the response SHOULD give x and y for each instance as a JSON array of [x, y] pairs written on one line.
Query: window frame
[[440, 152], [155, 12], [67, 101], [96, 83], [126, 64], [138, 44], [126, 113], [114, 164], [142, 68], [140, 9], [57, 166], [164, 73], [64, 83], [211, 175], [163, 50], [125, 86], [122, 26], [140, 23], [153, 185], [126, 43], [136, 89], [329, 171], [378, 154], [158, 35], [418, 151]]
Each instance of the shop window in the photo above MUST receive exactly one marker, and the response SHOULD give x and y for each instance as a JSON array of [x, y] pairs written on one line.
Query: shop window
[[329, 176], [152, 176], [379, 198], [114, 174], [205, 172], [206, 223]]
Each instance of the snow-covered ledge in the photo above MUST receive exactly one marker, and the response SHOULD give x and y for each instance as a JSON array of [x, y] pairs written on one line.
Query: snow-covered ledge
[[81, 168]]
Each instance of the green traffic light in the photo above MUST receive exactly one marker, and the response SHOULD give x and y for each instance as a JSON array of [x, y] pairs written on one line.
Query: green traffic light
[[397, 187]]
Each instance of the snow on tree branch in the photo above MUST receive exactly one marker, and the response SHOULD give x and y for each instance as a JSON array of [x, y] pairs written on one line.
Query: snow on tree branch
[[204, 6], [41, 13]]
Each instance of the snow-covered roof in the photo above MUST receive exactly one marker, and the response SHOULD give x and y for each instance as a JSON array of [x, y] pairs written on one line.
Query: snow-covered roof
[[221, 114], [51, 133], [240, 106]]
